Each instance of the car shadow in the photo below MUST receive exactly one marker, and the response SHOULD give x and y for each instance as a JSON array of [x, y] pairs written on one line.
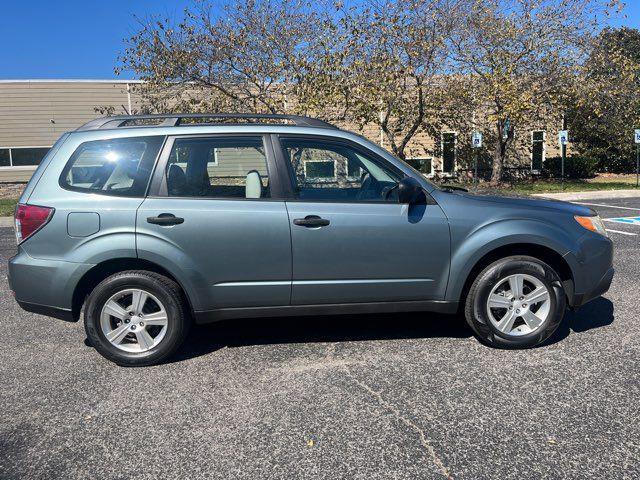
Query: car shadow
[[205, 339], [595, 314]]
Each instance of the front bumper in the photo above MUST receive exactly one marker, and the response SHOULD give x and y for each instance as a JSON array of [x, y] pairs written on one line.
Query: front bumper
[[592, 268], [600, 288]]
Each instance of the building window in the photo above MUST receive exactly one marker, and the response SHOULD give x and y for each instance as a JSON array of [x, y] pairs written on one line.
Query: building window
[[354, 171], [448, 152], [22, 156], [318, 170], [423, 165], [27, 156], [5, 157], [537, 150]]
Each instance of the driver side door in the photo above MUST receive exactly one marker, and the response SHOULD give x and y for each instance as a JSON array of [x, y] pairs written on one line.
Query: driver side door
[[352, 242]]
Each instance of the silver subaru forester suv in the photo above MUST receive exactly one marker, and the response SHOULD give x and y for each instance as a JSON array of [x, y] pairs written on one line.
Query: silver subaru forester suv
[[148, 223]]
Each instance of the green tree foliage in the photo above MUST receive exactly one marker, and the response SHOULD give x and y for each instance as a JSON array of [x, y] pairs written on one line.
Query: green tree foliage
[[519, 57], [386, 64], [247, 59], [405, 66], [605, 108]]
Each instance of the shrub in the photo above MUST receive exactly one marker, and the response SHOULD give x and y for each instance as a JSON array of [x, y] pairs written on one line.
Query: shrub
[[574, 167]]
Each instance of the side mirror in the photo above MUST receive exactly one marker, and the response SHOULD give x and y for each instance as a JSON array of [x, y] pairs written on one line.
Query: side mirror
[[410, 191]]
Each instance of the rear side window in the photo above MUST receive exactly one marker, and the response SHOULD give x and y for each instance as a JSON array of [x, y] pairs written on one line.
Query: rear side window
[[218, 167], [119, 166]]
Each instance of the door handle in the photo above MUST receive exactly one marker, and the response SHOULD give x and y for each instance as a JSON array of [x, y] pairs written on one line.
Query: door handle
[[165, 219], [311, 221]]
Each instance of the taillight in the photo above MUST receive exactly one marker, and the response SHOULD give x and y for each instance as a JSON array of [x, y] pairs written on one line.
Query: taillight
[[29, 219]]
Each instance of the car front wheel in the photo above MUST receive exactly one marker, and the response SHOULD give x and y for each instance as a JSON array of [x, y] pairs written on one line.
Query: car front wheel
[[136, 318], [516, 302]]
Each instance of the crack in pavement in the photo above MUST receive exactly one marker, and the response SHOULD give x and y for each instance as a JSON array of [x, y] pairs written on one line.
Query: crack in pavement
[[331, 348], [398, 414]]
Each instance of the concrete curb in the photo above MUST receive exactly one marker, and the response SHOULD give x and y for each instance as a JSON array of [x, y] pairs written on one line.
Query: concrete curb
[[593, 195], [6, 221]]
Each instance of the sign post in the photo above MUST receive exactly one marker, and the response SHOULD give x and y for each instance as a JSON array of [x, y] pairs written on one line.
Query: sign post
[[506, 129], [563, 138], [476, 143], [637, 140]]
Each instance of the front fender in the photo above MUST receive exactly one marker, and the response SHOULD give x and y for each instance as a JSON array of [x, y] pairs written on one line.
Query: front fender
[[468, 248]]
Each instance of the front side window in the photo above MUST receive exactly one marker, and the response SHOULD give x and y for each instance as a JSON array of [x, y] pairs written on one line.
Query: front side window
[[119, 166], [218, 167], [328, 171]]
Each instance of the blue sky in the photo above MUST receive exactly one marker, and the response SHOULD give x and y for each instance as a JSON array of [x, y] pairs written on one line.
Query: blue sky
[[82, 38]]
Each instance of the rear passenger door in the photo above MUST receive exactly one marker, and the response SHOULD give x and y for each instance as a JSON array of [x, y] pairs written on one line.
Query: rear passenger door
[[215, 214]]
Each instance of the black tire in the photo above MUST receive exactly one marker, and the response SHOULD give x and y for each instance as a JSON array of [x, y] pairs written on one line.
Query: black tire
[[475, 303], [165, 290]]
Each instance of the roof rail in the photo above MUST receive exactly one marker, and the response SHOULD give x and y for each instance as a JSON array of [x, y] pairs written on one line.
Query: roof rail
[[177, 119]]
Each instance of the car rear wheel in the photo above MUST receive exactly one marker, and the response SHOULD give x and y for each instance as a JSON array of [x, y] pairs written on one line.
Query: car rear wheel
[[516, 302], [136, 318]]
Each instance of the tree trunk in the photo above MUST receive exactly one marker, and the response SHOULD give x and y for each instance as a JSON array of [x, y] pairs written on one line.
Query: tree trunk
[[397, 150], [499, 154]]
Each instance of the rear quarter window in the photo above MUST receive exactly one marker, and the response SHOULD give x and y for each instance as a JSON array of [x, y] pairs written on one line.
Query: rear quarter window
[[119, 166]]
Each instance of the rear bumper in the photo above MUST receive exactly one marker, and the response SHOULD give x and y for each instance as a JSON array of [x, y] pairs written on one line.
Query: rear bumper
[[55, 312], [45, 286]]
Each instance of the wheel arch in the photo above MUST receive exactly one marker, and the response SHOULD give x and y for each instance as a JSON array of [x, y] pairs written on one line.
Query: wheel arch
[[546, 254], [102, 270]]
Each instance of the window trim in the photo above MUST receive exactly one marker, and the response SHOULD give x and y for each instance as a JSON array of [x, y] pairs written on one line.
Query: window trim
[[353, 179], [158, 185], [215, 157], [544, 150], [289, 177]]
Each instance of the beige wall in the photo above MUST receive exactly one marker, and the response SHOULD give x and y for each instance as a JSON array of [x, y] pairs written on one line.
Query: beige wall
[[35, 113], [17, 174]]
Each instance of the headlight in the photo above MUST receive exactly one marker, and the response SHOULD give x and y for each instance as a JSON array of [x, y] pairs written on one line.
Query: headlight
[[592, 223]]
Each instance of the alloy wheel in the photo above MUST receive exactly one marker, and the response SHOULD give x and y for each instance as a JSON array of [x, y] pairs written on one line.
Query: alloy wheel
[[519, 305], [134, 320]]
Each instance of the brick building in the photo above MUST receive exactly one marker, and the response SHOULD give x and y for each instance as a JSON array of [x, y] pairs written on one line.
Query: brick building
[[35, 113]]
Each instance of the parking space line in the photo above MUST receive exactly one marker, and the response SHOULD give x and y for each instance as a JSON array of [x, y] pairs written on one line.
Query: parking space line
[[624, 220], [608, 206], [621, 232]]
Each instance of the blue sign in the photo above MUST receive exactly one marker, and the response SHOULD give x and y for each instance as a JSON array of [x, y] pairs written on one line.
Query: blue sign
[[563, 137], [476, 140]]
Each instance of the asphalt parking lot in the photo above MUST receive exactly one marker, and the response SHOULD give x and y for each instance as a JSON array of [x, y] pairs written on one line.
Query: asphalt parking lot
[[391, 396]]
